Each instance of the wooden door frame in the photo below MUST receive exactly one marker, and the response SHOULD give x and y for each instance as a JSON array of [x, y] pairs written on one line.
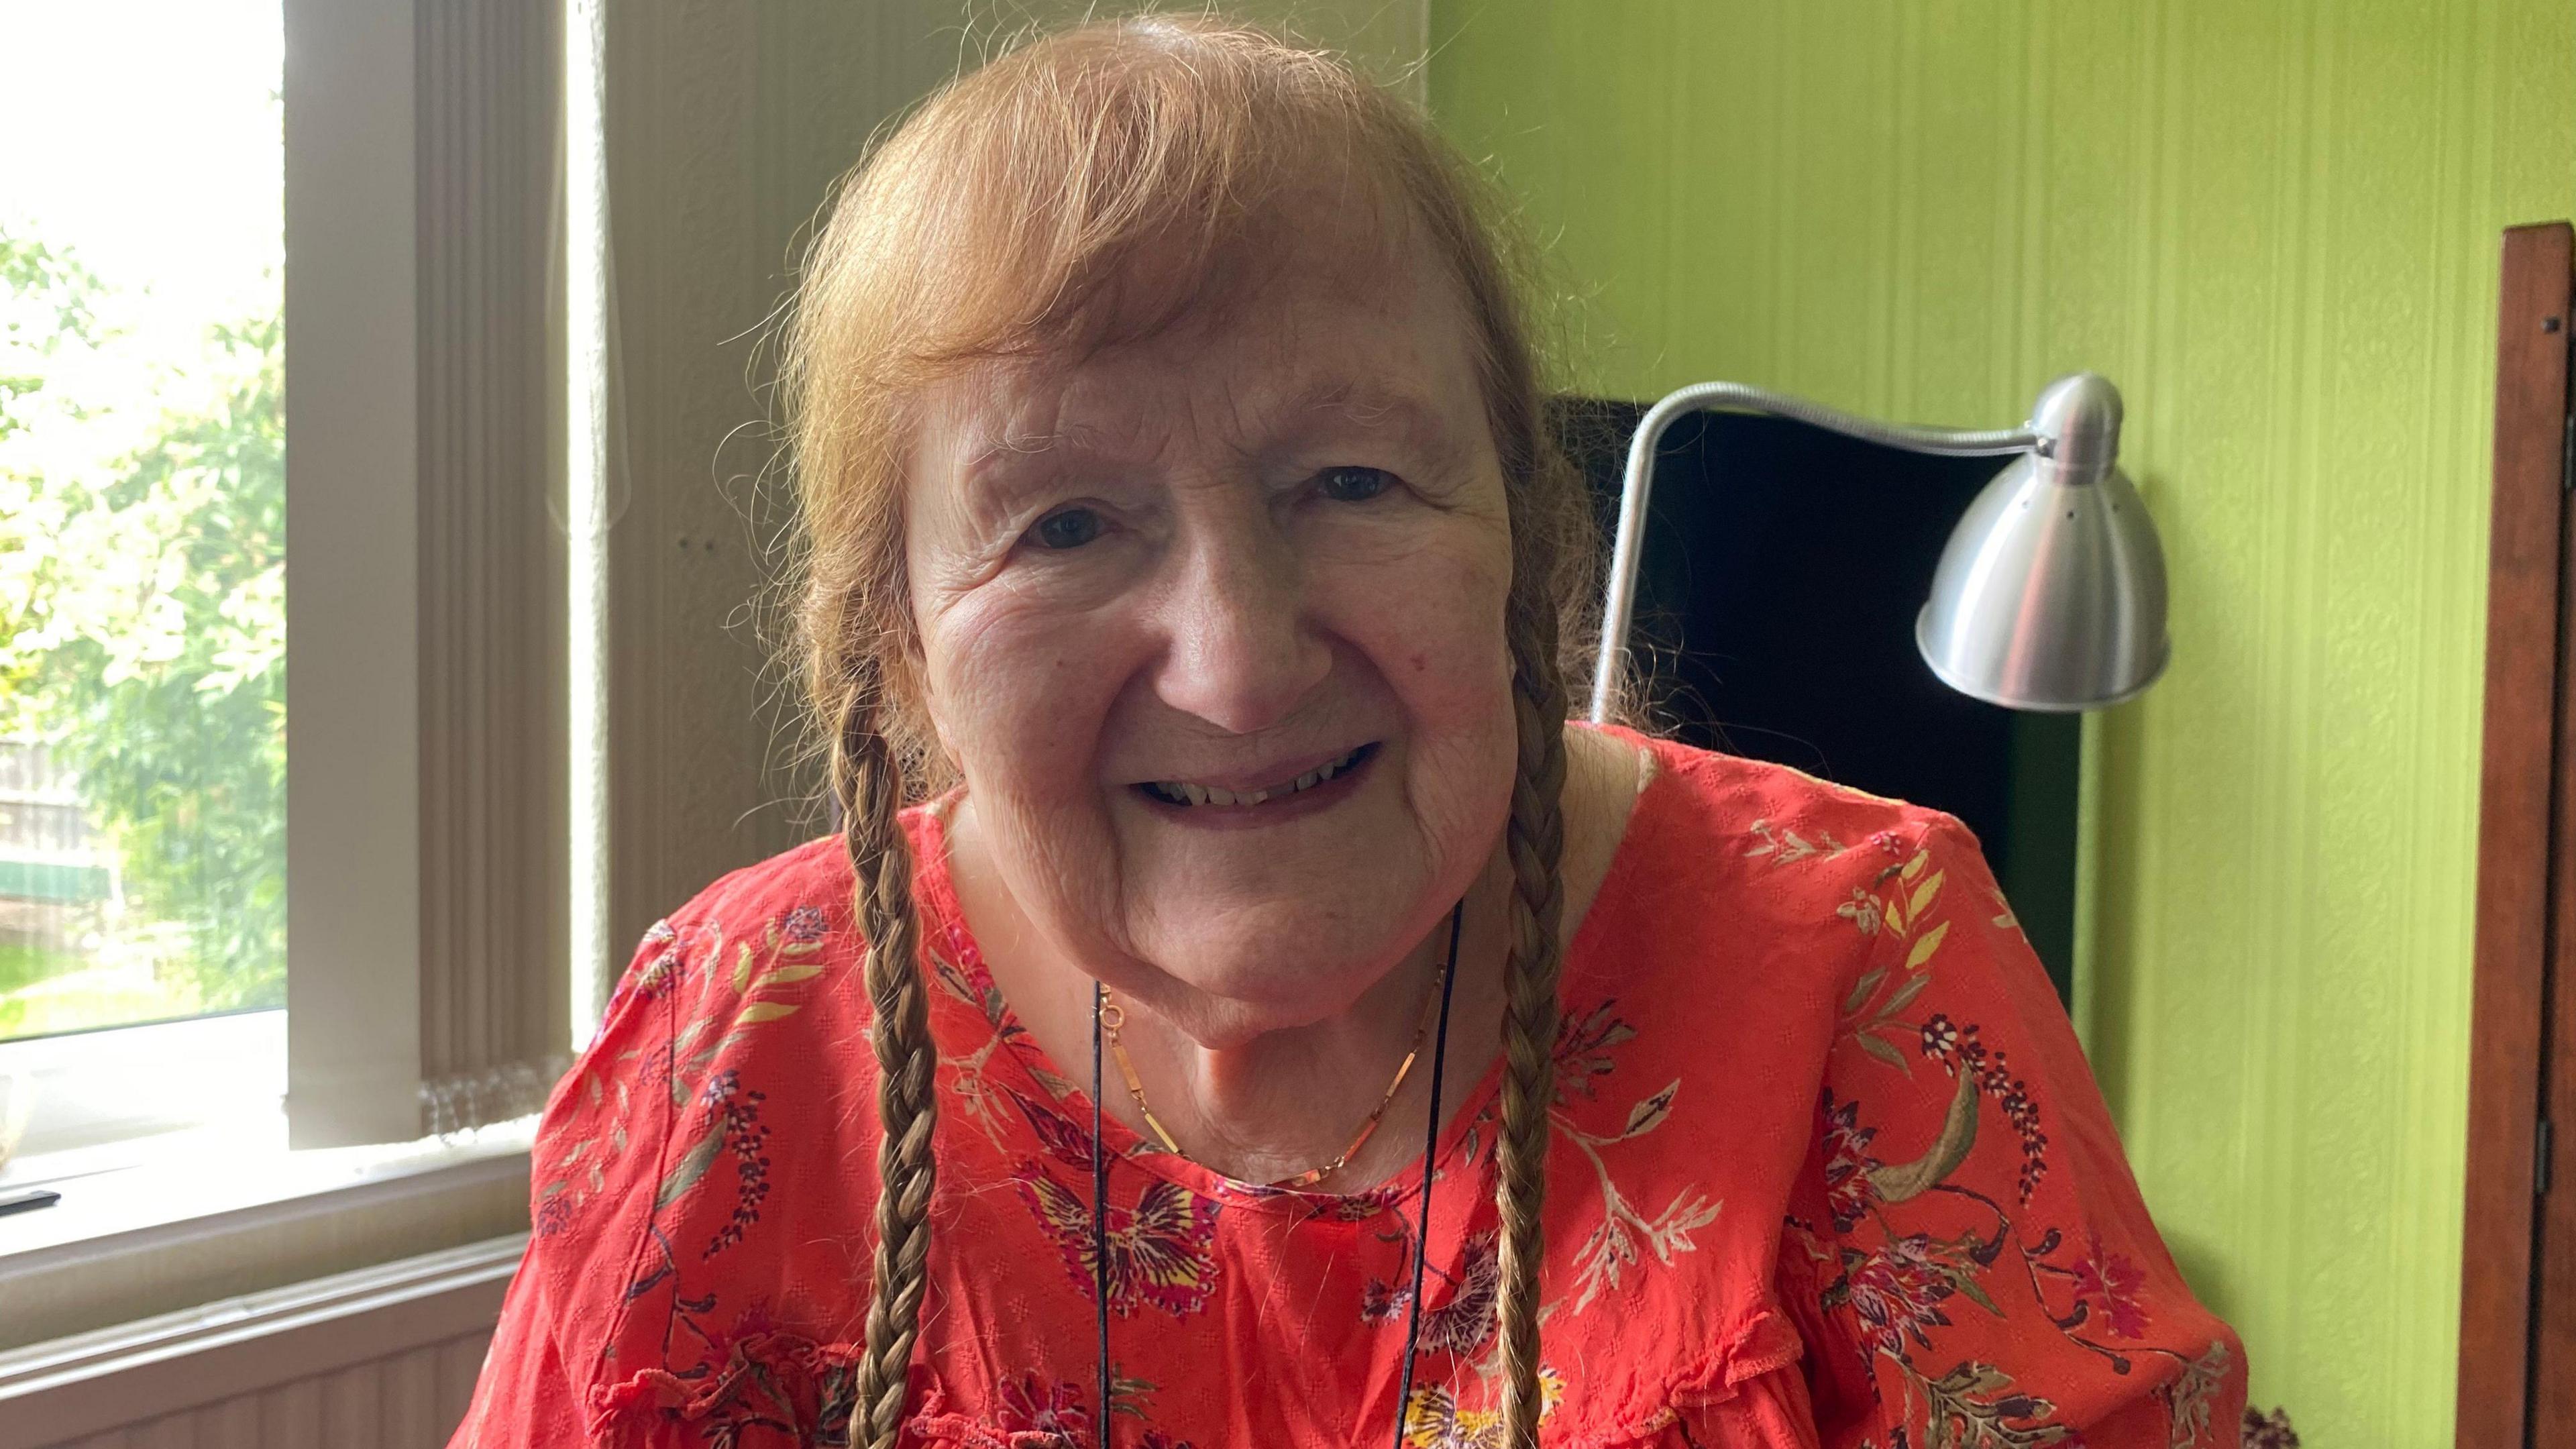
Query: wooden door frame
[[2515, 1273]]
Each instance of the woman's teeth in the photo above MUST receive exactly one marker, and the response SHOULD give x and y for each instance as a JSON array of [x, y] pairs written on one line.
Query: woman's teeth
[[1177, 792]]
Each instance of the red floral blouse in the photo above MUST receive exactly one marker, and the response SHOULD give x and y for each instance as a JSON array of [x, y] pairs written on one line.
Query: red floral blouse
[[1828, 1170]]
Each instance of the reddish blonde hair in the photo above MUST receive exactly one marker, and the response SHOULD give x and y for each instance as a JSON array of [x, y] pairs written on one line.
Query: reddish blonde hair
[[1008, 217]]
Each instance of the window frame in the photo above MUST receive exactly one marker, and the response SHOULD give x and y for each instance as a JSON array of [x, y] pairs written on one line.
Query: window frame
[[170, 1222], [353, 757], [353, 753]]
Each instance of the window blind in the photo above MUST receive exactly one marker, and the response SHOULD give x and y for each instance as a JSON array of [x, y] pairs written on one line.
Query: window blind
[[494, 1011]]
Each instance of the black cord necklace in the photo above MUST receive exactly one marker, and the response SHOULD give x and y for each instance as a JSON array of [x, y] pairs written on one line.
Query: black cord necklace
[[1422, 1222]]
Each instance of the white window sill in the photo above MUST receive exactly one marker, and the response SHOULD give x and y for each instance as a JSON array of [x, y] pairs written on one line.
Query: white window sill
[[225, 1210], [102, 1089]]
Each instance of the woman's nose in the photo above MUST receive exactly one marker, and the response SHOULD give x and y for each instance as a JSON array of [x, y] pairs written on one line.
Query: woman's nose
[[1241, 654]]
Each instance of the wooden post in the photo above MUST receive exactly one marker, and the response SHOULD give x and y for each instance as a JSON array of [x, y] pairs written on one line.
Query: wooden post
[[2526, 912]]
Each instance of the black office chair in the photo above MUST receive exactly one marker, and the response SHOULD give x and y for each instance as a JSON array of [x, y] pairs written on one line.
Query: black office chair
[[1783, 568]]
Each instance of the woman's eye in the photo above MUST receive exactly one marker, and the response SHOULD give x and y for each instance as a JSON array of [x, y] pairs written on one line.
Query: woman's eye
[[1352, 484], [1067, 528]]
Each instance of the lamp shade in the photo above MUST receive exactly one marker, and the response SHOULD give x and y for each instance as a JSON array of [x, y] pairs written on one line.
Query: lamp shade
[[2051, 593]]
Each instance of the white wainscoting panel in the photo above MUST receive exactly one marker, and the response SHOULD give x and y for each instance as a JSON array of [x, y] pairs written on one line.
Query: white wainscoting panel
[[407, 1400], [384, 1358]]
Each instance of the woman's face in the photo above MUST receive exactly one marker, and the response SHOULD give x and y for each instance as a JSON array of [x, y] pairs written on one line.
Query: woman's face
[[1212, 625]]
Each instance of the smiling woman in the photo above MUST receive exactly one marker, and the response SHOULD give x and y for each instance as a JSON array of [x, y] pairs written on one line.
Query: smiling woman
[[1262, 585], [1187, 574]]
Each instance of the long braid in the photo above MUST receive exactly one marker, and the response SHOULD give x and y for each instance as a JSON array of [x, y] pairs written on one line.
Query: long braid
[[1536, 841], [868, 781]]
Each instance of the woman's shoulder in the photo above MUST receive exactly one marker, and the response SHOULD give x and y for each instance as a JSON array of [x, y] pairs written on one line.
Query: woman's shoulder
[[731, 1060], [761, 966], [768, 944], [814, 877], [1749, 904], [1765, 846], [698, 1227], [816, 874], [1770, 802], [1703, 996]]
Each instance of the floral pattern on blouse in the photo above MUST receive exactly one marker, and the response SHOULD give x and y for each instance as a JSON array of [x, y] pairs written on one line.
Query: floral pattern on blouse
[[1827, 1169]]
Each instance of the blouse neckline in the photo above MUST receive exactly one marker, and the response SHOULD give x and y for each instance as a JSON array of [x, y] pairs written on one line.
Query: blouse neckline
[[1030, 1063]]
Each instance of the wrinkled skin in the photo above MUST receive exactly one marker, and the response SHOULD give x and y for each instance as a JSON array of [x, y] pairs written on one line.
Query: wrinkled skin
[[1260, 539]]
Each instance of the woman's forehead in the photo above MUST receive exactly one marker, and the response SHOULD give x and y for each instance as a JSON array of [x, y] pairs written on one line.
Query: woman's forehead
[[1307, 339], [1305, 355], [993, 442]]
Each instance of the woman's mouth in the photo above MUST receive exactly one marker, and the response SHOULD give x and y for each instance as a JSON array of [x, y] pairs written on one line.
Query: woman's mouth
[[1190, 795]]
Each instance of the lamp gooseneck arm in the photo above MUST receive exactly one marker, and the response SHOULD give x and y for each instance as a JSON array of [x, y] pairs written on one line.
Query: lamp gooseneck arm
[[1619, 601]]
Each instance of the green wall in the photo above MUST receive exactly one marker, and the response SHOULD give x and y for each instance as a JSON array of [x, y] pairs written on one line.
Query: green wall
[[2274, 225]]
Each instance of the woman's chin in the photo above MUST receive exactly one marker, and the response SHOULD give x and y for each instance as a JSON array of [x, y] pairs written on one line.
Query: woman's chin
[[1222, 989]]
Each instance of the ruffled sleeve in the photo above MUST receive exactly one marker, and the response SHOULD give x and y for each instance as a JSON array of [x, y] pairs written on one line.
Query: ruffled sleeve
[[1967, 1255]]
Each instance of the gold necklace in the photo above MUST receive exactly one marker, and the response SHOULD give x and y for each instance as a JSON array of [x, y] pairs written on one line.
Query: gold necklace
[[1112, 1018]]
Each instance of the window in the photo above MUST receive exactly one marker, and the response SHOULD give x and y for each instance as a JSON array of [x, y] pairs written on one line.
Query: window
[[142, 516], [361, 900], [384, 960]]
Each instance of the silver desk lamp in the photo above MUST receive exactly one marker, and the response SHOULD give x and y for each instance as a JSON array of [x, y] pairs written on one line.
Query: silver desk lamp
[[2051, 593]]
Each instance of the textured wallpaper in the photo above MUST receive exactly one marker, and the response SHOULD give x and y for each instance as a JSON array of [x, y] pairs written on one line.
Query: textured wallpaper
[[2274, 224]]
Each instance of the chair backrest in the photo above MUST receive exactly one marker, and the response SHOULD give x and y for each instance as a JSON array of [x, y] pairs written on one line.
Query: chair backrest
[[1783, 570]]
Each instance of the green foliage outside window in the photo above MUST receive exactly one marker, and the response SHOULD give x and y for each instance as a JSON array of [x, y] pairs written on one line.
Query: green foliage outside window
[[142, 638]]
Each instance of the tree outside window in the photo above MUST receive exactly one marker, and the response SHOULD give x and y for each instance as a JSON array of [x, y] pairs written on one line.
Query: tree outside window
[[142, 554]]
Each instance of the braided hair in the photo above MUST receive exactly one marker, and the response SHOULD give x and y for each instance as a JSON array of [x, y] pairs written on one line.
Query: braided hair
[[869, 785], [1001, 220]]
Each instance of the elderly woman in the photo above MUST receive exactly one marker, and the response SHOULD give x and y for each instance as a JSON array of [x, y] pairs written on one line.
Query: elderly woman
[[1275, 1025]]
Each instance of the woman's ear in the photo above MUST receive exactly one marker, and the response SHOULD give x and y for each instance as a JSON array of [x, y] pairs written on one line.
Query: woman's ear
[[913, 683]]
